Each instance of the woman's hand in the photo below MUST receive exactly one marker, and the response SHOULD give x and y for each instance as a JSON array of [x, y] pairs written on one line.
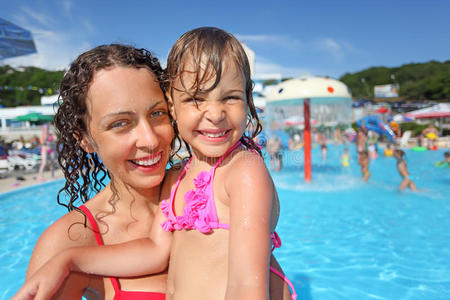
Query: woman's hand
[[47, 280]]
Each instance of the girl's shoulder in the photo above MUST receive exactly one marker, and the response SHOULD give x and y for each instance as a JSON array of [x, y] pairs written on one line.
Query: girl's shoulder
[[247, 157], [245, 163]]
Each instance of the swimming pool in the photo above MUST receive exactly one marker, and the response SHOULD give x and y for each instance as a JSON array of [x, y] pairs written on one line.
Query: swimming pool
[[342, 238]]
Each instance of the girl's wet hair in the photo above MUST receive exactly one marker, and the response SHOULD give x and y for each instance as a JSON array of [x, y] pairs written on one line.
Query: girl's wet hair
[[84, 172], [207, 48]]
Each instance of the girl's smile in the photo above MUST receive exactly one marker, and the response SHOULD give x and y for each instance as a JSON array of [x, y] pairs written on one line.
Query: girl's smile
[[214, 135]]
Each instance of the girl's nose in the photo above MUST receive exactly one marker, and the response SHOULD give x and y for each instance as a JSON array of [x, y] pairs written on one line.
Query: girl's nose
[[146, 136], [215, 113]]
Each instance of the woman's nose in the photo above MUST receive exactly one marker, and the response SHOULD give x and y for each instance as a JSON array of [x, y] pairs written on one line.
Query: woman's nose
[[146, 136]]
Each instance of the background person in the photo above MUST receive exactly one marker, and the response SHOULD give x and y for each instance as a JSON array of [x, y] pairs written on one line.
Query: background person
[[45, 141], [363, 161], [274, 149], [345, 158], [431, 134], [403, 171], [445, 162]]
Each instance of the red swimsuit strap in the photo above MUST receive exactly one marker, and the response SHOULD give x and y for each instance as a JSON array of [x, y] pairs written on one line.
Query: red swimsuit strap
[[99, 240]]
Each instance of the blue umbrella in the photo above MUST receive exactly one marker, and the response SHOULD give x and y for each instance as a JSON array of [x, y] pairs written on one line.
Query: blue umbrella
[[14, 40]]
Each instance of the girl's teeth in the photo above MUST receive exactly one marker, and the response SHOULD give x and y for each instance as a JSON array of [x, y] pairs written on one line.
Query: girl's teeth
[[214, 134], [147, 162]]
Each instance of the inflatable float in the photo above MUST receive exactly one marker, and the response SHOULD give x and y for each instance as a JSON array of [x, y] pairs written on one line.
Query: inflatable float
[[419, 149]]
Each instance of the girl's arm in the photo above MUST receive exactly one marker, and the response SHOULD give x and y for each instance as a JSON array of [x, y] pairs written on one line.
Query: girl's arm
[[54, 240], [133, 258], [251, 193]]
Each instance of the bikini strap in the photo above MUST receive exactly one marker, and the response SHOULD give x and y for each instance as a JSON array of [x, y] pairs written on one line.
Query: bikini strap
[[226, 153], [276, 241], [99, 240], [174, 190], [93, 223]]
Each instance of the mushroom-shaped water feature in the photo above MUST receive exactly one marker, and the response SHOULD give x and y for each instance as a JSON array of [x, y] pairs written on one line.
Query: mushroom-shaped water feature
[[326, 100]]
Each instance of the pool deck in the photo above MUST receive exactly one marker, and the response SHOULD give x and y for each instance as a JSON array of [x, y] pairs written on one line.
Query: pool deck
[[12, 183]]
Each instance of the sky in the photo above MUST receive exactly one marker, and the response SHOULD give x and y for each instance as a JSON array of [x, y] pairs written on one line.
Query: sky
[[289, 38]]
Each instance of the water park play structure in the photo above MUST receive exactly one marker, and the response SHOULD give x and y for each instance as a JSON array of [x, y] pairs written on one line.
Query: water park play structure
[[325, 100], [375, 124]]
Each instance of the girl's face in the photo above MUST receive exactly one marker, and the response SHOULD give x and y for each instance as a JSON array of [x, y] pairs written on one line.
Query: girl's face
[[129, 125], [217, 119]]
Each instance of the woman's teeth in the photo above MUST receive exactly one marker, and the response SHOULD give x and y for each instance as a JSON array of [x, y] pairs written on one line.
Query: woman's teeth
[[147, 162]]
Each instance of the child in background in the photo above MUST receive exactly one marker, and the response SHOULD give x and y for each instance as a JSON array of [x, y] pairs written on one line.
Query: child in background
[[223, 208], [373, 154], [444, 163], [363, 161], [403, 171], [345, 158], [388, 150]]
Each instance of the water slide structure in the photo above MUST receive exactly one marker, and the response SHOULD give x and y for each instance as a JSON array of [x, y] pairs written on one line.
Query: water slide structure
[[375, 124]]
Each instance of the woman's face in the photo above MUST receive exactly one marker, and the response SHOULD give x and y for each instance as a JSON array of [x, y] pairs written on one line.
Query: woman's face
[[129, 126]]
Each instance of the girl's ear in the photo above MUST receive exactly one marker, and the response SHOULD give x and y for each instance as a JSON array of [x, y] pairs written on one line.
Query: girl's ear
[[171, 106], [86, 144]]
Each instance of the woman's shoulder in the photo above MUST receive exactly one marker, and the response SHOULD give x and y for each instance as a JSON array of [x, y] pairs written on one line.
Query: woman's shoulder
[[66, 232], [71, 230]]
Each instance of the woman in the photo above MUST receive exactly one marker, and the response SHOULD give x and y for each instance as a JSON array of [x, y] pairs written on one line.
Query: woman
[[113, 120]]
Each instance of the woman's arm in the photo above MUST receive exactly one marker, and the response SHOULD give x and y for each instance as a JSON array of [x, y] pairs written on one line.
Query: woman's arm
[[251, 194], [133, 258]]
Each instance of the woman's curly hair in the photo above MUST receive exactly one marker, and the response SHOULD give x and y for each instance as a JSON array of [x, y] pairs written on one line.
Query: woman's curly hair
[[84, 172]]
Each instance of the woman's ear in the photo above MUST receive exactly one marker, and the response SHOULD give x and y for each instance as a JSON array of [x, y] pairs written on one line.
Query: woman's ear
[[86, 144]]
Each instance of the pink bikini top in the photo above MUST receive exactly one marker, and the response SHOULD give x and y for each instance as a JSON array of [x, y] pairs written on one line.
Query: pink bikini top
[[118, 293], [200, 209]]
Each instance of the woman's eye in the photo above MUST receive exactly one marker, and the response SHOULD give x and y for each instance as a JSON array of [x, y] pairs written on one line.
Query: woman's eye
[[158, 113], [118, 124]]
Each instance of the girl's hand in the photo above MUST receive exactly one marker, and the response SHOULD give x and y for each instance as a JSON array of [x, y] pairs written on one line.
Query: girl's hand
[[46, 281]]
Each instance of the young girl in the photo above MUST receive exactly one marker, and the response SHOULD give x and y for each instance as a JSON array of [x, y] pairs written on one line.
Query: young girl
[[403, 171], [221, 206]]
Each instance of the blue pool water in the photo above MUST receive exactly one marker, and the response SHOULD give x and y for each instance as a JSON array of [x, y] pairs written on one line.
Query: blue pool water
[[342, 238]]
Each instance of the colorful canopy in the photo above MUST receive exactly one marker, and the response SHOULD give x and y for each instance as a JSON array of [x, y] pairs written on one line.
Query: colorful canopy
[[34, 117], [440, 110]]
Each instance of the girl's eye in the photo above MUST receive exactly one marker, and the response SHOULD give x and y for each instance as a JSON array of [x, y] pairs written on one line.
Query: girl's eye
[[233, 98], [192, 100]]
